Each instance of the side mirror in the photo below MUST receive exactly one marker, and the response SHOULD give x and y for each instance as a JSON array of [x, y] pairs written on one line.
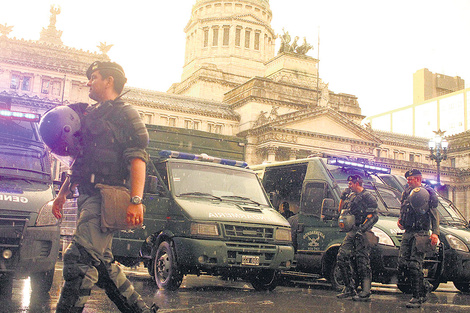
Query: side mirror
[[151, 184], [328, 209]]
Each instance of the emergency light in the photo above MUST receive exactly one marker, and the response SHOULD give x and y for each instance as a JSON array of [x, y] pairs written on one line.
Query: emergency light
[[22, 116], [200, 157], [359, 165]]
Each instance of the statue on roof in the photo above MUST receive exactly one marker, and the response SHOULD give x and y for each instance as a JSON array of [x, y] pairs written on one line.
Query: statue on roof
[[287, 46], [5, 30], [54, 12], [104, 48], [304, 48]]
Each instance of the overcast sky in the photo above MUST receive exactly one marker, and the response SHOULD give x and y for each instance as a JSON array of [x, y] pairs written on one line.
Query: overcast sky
[[368, 48]]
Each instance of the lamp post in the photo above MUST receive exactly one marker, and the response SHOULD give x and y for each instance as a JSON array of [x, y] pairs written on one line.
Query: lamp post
[[438, 147]]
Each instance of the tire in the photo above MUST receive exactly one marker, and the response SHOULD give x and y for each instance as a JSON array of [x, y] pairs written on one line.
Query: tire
[[6, 286], [405, 288], [265, 280], [463, 287], [42, 282], [166, 272], [335, 278]]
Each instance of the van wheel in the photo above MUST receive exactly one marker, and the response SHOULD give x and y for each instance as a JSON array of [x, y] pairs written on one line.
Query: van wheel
[[6, 286], [166, 272], [42, 282], [464, 287], [265, 280], [335, 278]]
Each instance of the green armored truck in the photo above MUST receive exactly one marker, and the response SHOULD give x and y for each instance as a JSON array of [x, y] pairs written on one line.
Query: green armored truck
[[205, 214], [29, 233], [454, 237], [313, 187]]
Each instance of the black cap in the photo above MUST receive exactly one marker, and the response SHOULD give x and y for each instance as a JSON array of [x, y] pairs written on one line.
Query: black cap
[[413, 172], [354, 178], [97, 65]]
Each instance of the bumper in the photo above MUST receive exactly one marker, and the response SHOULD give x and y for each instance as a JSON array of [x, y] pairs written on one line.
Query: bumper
[[384, 263], [35, 251], [456, 266], [214, 254]]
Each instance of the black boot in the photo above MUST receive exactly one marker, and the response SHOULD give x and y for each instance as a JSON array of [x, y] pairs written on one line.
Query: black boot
[[415, 302], [364, 295]]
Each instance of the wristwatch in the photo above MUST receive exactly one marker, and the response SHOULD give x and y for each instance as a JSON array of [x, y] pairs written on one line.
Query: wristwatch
[[136, 200]]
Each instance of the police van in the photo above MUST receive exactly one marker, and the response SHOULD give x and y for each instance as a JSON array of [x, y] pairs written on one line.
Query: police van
[[454, 236], [313, 187], [204, 215], [29, 233]]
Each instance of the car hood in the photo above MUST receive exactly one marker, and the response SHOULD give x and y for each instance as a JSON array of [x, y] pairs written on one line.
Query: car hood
[[230, 211], [25, 196], [389, 225]]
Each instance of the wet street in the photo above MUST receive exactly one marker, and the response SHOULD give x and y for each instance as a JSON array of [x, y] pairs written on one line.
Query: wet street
[[208, 294]]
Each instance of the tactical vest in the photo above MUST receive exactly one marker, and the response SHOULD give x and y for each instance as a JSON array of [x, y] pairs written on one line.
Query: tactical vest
[[103, 143], [412, 220], [355, 204]]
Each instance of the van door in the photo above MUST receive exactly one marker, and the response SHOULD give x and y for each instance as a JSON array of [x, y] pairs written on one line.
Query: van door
[[315, 234]]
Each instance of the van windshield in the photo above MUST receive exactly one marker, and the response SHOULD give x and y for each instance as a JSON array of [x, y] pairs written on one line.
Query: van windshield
[[223, 183], [22, 155], [449, 214]]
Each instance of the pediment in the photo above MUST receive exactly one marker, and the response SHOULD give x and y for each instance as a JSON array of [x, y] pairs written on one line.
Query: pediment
[[248, 18], [325, 122]]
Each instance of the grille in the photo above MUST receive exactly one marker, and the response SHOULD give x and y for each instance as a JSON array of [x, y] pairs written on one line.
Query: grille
[[265, 252], [237, 232], [11, 230]]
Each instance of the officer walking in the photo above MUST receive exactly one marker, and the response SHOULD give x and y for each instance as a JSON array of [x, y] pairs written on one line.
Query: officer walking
[[113, 141], [418, 215], [362, 204]]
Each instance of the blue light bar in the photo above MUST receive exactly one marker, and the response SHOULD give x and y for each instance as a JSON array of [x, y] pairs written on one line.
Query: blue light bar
[[358, 165], [200, 157], [24, 116]]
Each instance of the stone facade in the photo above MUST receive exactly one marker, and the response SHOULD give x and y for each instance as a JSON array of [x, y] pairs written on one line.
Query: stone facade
[[278, 103]]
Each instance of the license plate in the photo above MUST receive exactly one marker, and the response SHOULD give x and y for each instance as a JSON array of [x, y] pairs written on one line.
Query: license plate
[[250, 260]]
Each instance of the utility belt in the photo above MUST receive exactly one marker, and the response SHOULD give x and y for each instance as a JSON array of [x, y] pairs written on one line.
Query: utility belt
[[107, 180]]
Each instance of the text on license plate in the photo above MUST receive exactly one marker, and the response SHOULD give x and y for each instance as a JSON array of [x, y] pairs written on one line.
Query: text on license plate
[[250, 260]]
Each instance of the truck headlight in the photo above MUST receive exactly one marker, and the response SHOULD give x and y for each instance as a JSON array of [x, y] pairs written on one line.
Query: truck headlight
[[204, 229], [456, 243], [384, 239], [45, 217], [283, 234]]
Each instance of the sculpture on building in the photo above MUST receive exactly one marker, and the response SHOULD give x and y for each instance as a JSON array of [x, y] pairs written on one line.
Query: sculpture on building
[[104, 48], [54, 12], [5, 30], [287, 46]]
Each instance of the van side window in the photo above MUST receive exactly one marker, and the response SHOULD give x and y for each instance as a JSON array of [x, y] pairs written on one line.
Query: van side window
[[286, 183], [313, 196], [161, 169]]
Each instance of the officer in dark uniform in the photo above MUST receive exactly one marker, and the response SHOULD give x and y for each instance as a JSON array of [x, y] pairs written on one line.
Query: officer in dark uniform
[[362, 204], [113, 139], [416, 222]]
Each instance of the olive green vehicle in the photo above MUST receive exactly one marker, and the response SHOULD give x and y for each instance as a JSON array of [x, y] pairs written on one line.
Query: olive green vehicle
[[205, 215], [454, 237], [29, 233], [313, 187]]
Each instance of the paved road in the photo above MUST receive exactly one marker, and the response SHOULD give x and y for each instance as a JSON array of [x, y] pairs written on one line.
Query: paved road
[[208, 294]]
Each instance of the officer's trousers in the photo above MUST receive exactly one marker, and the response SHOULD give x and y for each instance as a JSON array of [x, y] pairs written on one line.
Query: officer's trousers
[[88, 261], [410, 263], [354, 249]]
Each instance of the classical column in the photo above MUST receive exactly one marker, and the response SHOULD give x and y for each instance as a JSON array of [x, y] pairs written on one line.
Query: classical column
[[293, 154], [271, 154]]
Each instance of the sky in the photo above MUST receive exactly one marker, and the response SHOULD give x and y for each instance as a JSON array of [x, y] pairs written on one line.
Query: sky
[[367, 48]]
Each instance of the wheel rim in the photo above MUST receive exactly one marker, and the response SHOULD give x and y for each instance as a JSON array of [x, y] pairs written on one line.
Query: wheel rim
[[163, 266]]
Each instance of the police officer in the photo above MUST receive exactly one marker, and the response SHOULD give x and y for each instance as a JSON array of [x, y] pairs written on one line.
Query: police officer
[[416, 222], [113, 139], [362, 204]]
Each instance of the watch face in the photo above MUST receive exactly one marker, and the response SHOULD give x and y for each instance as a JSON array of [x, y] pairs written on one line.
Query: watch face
[[136, 200]]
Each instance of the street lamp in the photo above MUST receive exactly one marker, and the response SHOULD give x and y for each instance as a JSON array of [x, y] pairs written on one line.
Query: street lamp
[[438, 147]]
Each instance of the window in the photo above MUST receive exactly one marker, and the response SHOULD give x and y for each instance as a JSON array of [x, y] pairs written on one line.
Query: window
[[172, 121], [188, 124], [15, 81], [247, 38], [238, 33], [257, 35], [378, 153], [55, 88], [45, 85], [196, 124], [215, 39], [214, 128], [206, 37], [412, 157], [452, 162], [26, 84], [226, 36]]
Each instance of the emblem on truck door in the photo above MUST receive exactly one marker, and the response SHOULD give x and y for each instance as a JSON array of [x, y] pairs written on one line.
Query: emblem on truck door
[[314, 237]]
